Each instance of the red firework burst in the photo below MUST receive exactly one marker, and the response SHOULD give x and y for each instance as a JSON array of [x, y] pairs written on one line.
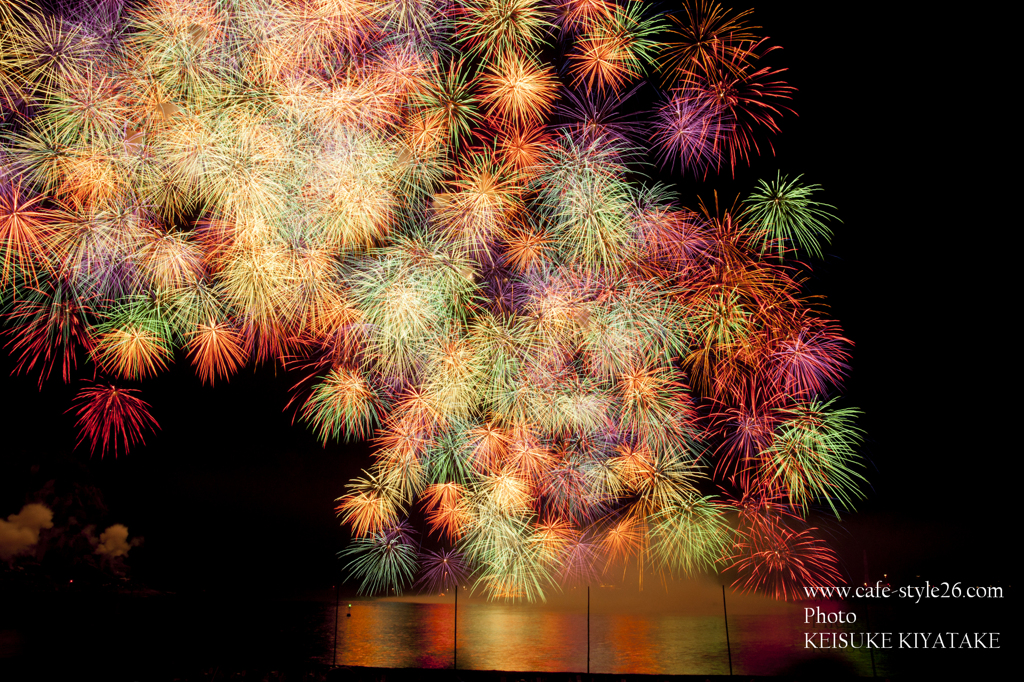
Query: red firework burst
[[776, 559], [112, 418]]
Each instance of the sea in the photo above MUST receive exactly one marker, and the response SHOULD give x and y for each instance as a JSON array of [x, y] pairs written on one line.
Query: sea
[[618, 633], [698, 631]]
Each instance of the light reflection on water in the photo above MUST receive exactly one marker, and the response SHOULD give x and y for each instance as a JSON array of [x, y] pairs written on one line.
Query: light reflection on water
[[495, 636], [248, 630]]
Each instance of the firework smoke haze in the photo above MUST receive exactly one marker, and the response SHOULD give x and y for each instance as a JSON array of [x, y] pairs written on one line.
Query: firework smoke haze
[[114, 541], [20, 532]]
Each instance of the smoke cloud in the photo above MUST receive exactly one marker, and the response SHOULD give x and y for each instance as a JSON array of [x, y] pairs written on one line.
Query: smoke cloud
[[114, 541], [21, 531]]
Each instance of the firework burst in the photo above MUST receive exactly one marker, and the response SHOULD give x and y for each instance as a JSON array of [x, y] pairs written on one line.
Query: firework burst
[[112, 419], [439, 216], [776, 558], [386, 559], [786, 212]]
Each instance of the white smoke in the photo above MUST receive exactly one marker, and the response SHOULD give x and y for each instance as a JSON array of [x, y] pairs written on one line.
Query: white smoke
[[114, 541], [21, 531]]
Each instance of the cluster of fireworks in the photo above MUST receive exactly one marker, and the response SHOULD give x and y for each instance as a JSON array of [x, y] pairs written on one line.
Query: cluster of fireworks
[[434, 212]]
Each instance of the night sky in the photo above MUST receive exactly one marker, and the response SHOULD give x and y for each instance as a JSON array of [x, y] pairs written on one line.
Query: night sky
[[230, 494]]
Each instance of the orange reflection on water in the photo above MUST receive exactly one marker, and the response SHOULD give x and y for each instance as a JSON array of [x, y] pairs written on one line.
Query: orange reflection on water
[[521, 638], [635, 649], [435, 635], [527, 637], [360, 632]]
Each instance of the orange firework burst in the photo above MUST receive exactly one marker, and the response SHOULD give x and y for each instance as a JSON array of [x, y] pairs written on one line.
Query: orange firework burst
[[24, 235], [132, 351], [624, 539], [523, 148], [603, 61], [706, 35], [216, 349], [526, 250], [518, 90], [579, 15], [614, 51], [447, 509], [654, 407], [482, 205], [371, 506]]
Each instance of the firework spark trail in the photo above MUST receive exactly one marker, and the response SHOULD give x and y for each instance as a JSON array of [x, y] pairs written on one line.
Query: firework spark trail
[[384, 560], [786, 212], [442, 570], [435, 212], [690, 130], [24, 232], [112, 419], [774, 554]]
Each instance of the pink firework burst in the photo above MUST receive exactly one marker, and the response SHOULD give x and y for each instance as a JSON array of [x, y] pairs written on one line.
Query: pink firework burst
[[691, 129], [442, 570], [810, 359]]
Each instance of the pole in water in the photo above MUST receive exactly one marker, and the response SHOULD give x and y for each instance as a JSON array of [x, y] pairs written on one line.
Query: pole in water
[[871, 650], [725, 613], [455, 631], [867, 580], [588, 629], [337, 607]]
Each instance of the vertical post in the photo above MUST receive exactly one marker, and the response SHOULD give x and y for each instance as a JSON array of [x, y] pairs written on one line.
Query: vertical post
[[725, 613], [588, 629], [337, 608], [874, 673], [455, 642], [867, 579]]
